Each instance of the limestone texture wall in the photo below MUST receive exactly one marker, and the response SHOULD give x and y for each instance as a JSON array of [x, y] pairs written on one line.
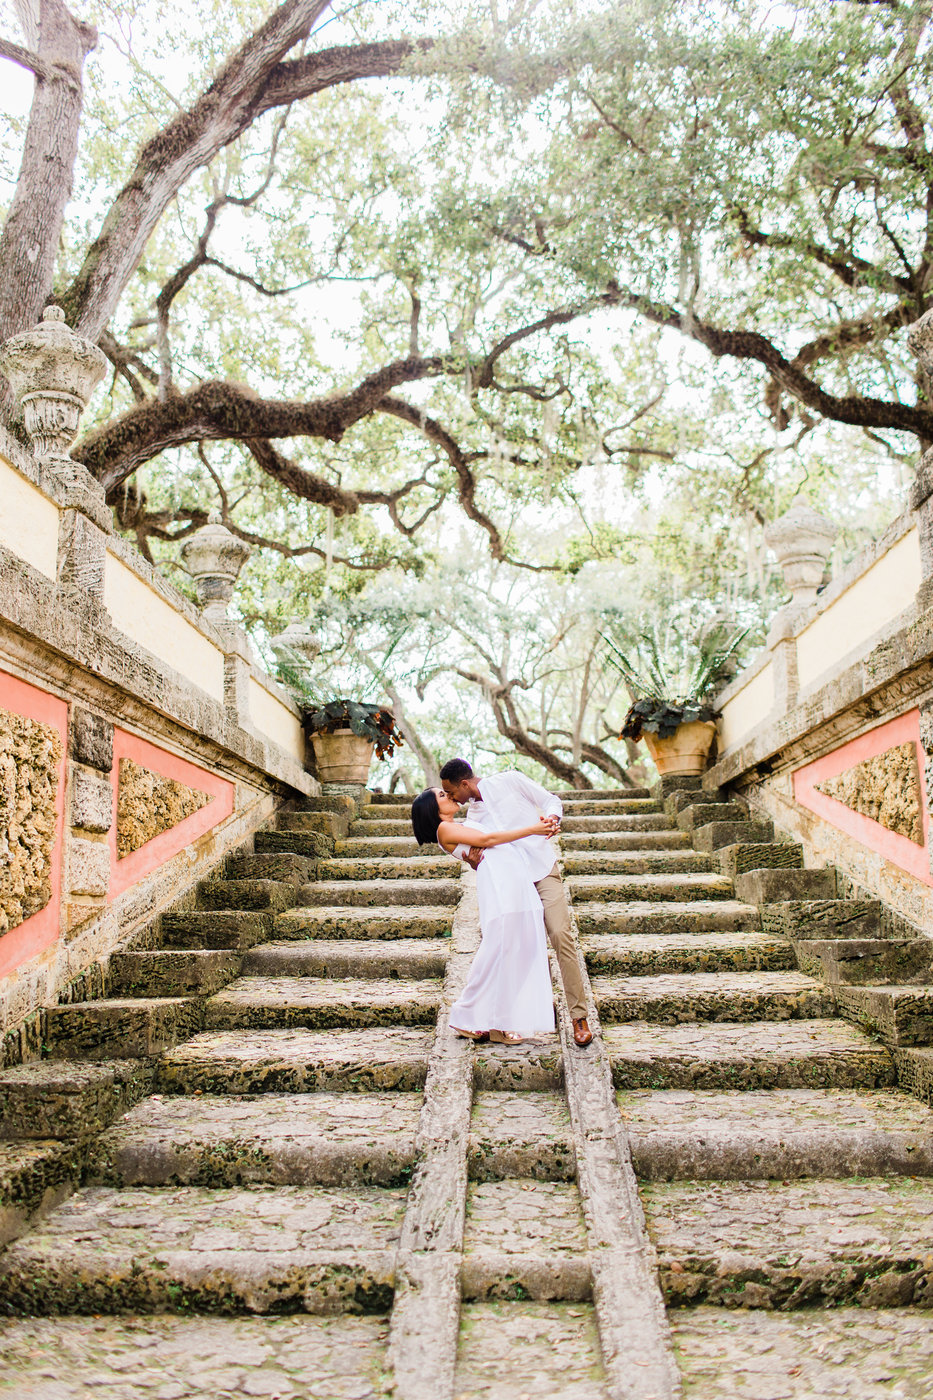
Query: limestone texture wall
[[30, 758], [150, 804]]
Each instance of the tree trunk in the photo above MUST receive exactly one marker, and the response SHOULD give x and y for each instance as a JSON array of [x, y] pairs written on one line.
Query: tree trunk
[[30, 238]]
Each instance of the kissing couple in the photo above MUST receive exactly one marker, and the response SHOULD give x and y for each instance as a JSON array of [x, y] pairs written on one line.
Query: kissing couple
[[508, 996]]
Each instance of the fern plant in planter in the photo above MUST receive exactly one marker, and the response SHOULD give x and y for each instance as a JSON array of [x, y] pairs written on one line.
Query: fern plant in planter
[[672, 678]]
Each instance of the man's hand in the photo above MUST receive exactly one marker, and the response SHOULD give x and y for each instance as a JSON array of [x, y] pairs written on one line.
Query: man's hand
[[473, 856]]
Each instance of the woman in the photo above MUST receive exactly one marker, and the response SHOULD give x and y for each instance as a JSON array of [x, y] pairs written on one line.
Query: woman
[[508, 994]]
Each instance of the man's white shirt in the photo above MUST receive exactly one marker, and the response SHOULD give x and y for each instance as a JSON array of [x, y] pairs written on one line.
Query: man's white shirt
[[510, 800]]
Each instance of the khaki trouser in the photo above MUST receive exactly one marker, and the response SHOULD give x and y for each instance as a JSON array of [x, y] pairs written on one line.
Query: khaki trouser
[[557, 923]]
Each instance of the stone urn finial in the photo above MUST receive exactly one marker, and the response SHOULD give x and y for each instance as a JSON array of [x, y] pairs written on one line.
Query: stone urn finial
[[296, 638], [214, 557], [52, 373], [802, 540]]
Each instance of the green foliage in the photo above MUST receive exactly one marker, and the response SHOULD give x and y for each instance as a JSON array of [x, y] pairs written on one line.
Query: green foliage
[[367, 721]]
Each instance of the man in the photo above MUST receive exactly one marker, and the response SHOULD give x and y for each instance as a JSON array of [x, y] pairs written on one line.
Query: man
[[499, 803]]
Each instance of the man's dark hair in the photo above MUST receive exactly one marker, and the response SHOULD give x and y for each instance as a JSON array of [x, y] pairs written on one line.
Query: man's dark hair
[[425, 817], [455, 770]]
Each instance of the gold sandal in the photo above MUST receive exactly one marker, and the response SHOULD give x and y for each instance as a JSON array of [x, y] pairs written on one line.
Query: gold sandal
[[506, 1037]]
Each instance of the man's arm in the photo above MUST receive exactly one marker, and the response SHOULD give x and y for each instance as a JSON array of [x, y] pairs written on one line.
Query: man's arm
[[546, 802]]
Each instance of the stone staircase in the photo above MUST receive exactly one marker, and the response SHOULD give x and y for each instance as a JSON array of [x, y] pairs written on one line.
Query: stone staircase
[[260, 1164]]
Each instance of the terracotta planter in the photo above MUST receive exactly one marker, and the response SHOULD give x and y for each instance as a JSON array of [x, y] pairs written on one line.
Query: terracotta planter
[[342, 757], [686, 751]]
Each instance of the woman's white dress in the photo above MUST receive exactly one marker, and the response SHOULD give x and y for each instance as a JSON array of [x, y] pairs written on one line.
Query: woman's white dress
[[509, 986]]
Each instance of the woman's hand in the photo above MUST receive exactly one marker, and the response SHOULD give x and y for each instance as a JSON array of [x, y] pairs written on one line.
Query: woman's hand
[[550, 826]]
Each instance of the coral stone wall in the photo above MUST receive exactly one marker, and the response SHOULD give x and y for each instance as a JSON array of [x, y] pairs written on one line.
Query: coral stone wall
[[30, 761]]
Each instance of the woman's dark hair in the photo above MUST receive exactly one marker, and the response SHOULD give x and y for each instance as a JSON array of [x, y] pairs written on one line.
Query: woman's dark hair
[[455, 770], [425, 817]]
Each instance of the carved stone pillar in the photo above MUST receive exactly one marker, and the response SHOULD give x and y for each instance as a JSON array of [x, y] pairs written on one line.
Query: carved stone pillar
[[214, 557], [52, 373], [802, 540]]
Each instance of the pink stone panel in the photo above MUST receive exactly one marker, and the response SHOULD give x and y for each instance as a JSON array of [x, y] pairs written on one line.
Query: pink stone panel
[[41, 930], [134, 867], [897, 849]]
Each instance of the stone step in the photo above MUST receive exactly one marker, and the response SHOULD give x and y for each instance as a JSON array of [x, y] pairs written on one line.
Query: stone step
[[378, 894], [743, 857], [387, 922], [228, 928], [615, 807], [297, 1062], [633, 955], [355, 847], [431, 867], [665, 917], [520, 1135], [698, 814], [525, 1238], [170, 972], [827, 1353], [333, 824], [389, 799], [778, 886], [35, 1177], [322, 1139], [714, 835], [766, 1244], [712, 996], [901, 1016], [555, 1346], [577, 795], [624, 889], [572, 842], [247, 894], [530, 1067], [58, 1099], [312, 845], [316, 1003], [681, 796], [375, 827], [270, 865], [821, 1054], [386, 811], [861, 961], [635, 863], [349, 957], [823, 918], [118, 1028], [281, 1249], [197, 1357], [700, 1135], [648, 821]]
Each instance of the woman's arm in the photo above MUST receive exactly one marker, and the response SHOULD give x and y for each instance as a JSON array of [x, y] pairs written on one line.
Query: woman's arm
[[451, 834]]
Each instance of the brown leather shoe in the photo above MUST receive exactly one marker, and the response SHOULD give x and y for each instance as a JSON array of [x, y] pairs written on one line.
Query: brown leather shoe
[[581, 1032]]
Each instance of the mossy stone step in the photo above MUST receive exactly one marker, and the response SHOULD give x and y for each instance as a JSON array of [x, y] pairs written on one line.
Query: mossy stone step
[[767, 1244], [355, 847], [388, 868], [321, 1139], [379, 894], [505, 1345], [712, 996], [60, 1099], [745, 857], [346, 957], [520, 1135], [772, 886], [818, 1054], [664, 916], [247, 894], [691, 818], [282, 1249], [648, 821], [676, 799], [615, 807], [699, 1135], [901, 1016], [532, 1066], [866, 961], [573, 842], [172, 972], [221, 928], [574, 796], [381, 827], [35, 1176], [315, 1003], [332, 824], [823, 918], [269, 865], [526, 1239], [623, 889], [633, 955], [635, 863], [310, 844], [714, 835], [386, 811], [387, 922], [297, 1061], [121, 1027]]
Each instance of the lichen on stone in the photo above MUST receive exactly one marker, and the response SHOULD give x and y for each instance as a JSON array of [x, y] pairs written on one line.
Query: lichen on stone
[[148, 804], [30, 758], [884, 788]]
